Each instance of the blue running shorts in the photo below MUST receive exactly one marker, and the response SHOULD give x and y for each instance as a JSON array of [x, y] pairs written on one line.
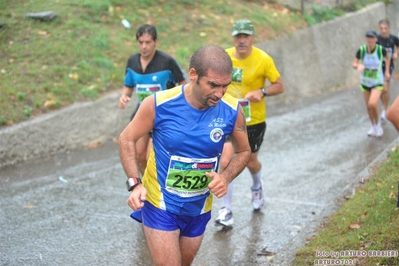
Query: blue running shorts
[[190, 226]]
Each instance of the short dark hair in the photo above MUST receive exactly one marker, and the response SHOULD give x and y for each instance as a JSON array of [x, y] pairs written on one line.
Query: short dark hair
[[383, 21], [211, 57], [146, 29]]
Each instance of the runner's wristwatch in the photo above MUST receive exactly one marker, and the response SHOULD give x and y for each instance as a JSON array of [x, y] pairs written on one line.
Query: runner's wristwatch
[[132, 182], [264, 91]]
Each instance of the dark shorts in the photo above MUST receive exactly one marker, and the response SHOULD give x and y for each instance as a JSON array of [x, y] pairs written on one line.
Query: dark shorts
[[377, 87], [190, 226], [255, 136], [391, 68]]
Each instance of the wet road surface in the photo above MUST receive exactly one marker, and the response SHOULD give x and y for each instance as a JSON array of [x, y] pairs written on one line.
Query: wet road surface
[[70, 209]]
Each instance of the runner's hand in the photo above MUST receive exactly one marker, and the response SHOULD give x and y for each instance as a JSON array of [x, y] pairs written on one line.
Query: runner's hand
[[218, 186], [123, 100], [254, 96], [360, 68], [387, 76], [137, 197]]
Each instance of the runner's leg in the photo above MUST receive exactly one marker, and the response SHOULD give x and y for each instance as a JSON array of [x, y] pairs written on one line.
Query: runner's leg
[[163, 246], [167, 248], [189, 247], [385, 97], [393, 113]]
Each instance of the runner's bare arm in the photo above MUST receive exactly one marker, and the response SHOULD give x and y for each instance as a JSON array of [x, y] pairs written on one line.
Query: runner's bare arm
[[125, 97], [355, 63], [387, 66], [142, 123], [242, 150], [274, 88], [219, 184]]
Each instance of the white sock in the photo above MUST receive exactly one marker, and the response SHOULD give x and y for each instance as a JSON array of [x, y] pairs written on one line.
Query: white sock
[[256, 178], [226, 200]]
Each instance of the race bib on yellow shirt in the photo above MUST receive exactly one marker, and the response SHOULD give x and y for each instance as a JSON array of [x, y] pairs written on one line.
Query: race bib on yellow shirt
[[246, 107], [186, 176]]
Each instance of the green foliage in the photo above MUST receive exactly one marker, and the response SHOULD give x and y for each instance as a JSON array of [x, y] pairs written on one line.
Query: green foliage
[[89, 93], [351, 6], [102, 62], [87, 45], [3, 120], [21, 96], [27, 111], [317, 14]]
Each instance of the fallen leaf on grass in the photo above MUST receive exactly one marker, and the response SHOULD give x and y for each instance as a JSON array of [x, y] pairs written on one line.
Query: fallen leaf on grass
[[50, 103], [392, 195], [43, 33], [364, 215], [354, 226], [73, 76]]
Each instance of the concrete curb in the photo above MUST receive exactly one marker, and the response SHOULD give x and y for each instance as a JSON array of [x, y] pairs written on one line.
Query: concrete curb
[[73, 127]]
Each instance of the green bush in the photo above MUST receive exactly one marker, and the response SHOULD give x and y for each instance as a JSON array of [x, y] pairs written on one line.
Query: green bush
[[317, 14]]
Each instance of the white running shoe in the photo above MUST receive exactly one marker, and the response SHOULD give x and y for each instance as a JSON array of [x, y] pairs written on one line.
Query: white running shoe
[[225, 217], [383, 116], [257, 199], [379, 131], [372, 131]]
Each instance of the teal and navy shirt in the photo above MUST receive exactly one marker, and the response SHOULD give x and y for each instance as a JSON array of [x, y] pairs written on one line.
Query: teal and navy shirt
[[163, 72]]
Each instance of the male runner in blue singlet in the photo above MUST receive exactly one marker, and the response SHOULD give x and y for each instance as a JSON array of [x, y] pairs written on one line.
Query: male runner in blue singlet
[[189, 125]]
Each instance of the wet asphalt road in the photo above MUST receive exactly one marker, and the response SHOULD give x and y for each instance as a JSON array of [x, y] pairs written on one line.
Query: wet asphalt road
[[70, 209]]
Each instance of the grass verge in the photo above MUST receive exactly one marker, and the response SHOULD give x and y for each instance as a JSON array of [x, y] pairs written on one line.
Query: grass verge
[[82, 54], [366, 223]]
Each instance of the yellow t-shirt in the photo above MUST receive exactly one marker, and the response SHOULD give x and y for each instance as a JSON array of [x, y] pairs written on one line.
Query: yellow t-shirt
[[248, 75]]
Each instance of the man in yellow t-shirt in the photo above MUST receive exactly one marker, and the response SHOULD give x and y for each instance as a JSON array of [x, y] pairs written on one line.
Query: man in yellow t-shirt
[[251, 68]]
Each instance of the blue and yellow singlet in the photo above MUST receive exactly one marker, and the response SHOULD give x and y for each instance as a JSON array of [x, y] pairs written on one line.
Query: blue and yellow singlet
[[187, 143]]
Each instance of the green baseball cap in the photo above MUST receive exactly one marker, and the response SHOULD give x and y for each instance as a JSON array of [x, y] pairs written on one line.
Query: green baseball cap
[[243, 26]]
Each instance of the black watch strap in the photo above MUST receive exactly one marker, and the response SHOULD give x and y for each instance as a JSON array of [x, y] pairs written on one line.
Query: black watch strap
[[132, 182], [264, 91]]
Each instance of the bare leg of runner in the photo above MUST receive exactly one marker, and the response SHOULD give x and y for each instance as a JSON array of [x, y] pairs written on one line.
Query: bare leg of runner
[[393, 113], [167, 248]]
